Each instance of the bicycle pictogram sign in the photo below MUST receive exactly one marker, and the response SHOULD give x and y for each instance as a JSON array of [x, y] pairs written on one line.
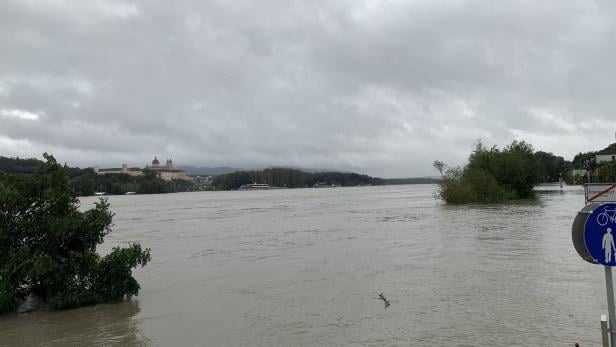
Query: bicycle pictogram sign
[[608, 215]]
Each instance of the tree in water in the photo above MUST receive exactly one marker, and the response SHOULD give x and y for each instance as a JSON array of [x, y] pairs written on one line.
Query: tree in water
[[48, 247], [491, 175]]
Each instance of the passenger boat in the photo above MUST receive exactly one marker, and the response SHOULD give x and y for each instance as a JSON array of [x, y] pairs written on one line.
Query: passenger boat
[[255, 186], [325, 185]]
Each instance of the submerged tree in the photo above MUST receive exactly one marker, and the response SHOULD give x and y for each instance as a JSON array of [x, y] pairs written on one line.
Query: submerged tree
[[491, 175], [48, 247]]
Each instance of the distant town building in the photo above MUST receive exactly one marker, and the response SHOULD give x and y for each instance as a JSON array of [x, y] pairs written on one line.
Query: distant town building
[[167, 172], [202, 182], [607, 154], [133, 171], [579, 172]]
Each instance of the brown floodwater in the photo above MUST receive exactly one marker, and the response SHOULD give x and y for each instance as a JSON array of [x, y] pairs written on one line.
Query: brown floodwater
[[304, 267]]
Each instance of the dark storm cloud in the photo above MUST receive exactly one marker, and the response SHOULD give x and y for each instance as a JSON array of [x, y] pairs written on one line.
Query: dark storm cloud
[[383, 87]]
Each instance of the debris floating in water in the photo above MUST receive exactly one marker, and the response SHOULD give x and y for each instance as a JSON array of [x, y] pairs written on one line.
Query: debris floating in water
[[382, 297]]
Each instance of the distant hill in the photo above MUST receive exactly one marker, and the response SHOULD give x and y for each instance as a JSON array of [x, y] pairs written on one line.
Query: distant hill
[[415, 180], [292, 178], [207, 171], [223, 170]]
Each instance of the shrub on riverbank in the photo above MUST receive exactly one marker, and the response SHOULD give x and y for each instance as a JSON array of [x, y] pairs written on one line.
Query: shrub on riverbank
[[48, 247], [491, 175]]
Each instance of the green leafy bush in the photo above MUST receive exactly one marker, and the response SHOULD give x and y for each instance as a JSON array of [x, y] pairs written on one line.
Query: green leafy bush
[[48, 247], [607, 171], [491, 175]]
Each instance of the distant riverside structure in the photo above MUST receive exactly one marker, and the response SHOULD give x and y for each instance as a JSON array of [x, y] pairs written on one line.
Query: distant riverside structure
[[607, 154], [166, 172]]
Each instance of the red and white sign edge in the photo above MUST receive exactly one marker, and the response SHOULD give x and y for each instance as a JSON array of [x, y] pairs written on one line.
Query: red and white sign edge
[[600, 192]]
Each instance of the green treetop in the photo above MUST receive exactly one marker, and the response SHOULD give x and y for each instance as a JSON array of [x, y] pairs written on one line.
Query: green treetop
[[491, 175]]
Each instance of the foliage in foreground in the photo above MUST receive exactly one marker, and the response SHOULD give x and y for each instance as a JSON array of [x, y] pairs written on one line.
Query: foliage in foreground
[[48, 247], [491, 175]]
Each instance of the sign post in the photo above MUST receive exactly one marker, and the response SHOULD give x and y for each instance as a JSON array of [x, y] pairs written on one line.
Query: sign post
[[604, 333], [609, 286], [594, 239]]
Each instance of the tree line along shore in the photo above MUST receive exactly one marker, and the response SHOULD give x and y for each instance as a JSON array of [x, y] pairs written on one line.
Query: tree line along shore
[[491, 174], [87, 181]]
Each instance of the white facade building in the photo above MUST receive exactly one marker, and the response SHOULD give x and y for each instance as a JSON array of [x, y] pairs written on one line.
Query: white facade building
[[167, 172], [132, 171], [607, 154]]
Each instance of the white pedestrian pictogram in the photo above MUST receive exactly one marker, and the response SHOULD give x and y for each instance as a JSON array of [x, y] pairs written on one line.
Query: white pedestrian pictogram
[[607, 244]]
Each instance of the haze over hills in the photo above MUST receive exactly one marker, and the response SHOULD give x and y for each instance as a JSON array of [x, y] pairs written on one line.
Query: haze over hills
[[207, 171], [222, 170]]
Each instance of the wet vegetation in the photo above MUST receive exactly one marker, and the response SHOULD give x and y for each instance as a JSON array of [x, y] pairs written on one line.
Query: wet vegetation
[[48, 246], [599, 172], [491, 175]]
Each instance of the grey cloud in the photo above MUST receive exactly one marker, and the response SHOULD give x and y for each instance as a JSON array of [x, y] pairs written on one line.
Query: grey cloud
[[379, 87]]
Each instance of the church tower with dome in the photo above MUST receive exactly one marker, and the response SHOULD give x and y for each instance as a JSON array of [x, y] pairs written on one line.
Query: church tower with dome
[[155, 163], [166, 172]]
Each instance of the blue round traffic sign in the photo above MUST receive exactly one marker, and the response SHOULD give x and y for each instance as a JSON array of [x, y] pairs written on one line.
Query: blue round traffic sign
[[600, 234]]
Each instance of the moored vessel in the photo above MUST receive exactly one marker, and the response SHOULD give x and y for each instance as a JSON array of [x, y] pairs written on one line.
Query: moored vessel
[[255, 186]]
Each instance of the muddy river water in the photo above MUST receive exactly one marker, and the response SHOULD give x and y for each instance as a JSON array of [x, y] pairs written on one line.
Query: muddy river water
[[303, 267]]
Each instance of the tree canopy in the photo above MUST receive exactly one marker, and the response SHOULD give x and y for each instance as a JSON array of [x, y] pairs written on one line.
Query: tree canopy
[[552, 167], [48, 246], [491, 175]]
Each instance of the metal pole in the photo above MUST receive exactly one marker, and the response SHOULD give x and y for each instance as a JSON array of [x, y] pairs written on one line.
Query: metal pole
[[609, 286], [604, 331]]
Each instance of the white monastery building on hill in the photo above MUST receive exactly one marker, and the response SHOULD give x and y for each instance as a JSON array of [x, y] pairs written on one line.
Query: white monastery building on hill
[[166, 172]]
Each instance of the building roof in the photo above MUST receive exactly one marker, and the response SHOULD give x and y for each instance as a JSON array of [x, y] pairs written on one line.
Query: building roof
[[609, 150]]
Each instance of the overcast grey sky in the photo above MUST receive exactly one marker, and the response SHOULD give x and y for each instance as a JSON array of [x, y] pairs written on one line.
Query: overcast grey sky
[[379, 87]]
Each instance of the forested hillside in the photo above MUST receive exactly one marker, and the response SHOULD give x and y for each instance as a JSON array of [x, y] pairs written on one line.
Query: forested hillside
[[292, 178]]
